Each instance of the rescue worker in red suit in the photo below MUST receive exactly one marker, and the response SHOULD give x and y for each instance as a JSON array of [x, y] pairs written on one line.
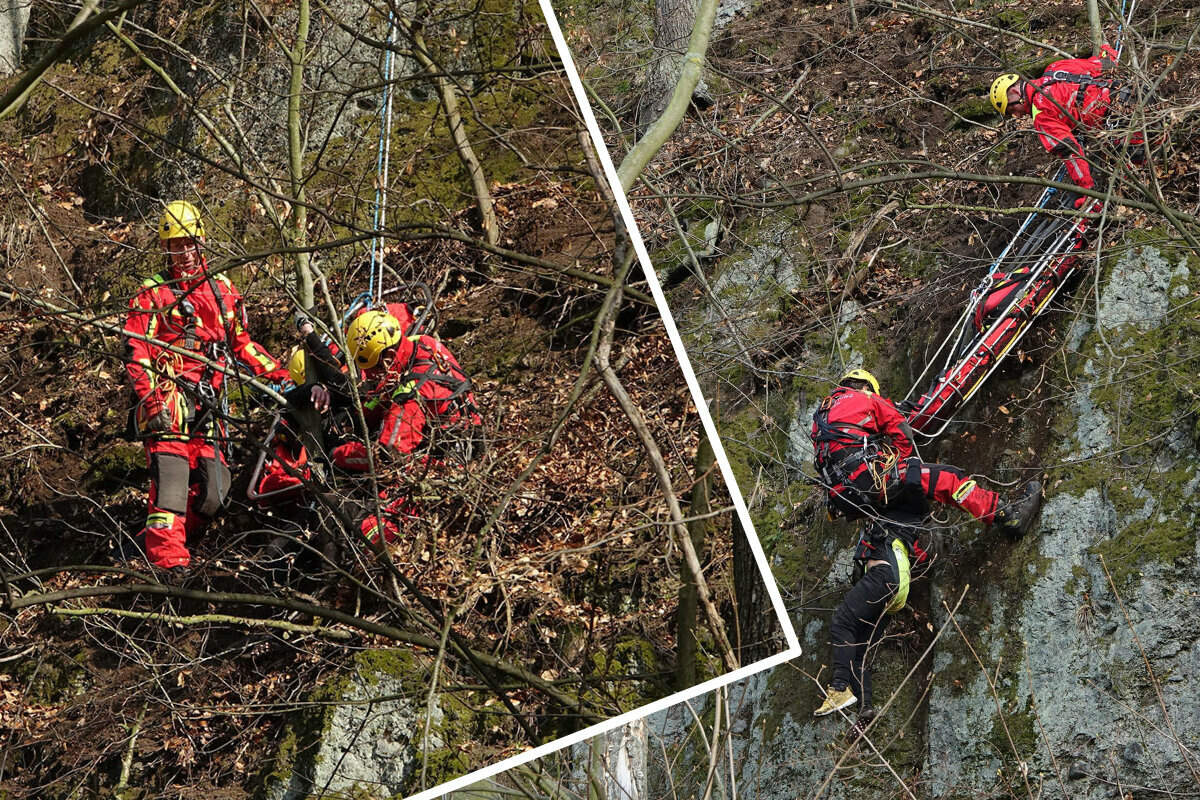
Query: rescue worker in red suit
[[416, 397], [200, 315], [415, 390], [1072, 94], [864, 453]]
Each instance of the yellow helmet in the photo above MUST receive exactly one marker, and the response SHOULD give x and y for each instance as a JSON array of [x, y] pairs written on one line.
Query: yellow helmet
[[370, 334], [296, 366], [861, 375], [1000, 87], [180, 219]]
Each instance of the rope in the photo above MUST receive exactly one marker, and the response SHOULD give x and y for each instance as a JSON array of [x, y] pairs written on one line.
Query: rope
[[987, 283], [382, 165], [880, 468], [1125, 17]]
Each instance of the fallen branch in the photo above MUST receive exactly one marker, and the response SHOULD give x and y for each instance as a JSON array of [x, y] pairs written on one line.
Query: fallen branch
[[322, 612], [205, 619], [624, 258]]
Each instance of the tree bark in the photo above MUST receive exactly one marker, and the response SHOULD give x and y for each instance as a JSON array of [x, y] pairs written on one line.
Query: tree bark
[[623, 259], [13, 22], [689, 598], [681, 97], [757, 627], [296, 147], [673, 22], [1093, 7]]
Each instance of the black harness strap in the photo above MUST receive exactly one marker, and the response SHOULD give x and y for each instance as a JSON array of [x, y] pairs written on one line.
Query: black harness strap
[[458, 385], [1082, 81], [935, 472]]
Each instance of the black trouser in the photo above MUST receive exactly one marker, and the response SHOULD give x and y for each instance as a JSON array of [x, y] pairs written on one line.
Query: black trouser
[[858, 623]]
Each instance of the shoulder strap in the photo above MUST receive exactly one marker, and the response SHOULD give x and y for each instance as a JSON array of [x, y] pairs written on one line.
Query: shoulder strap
[[1062, 76], [840, 432]]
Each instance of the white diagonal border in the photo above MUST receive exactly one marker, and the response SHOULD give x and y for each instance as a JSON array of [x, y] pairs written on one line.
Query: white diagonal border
[[785, 623]]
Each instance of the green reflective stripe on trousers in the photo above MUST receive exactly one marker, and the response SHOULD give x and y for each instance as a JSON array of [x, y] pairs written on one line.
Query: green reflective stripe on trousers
[[160, 519], [902, 567]]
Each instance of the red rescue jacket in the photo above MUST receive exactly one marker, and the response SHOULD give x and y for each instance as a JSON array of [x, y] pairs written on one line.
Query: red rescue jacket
[[1058, 105], [848, 418], [424, 390], [188, 315]]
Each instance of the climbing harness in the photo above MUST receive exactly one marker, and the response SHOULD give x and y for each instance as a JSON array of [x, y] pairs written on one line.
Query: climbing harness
[[860, 452]]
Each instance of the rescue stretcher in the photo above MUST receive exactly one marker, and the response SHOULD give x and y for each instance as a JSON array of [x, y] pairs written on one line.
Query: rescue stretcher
[[1019, 286]]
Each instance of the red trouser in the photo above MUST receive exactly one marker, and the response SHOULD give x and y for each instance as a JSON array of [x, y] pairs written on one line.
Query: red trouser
[[188, 484], [950, 486], [394, 510]]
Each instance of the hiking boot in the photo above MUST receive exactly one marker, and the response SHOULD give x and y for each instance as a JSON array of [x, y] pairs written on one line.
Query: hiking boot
[[835, 700], [860, 725], [1016, 518], [176, 576]]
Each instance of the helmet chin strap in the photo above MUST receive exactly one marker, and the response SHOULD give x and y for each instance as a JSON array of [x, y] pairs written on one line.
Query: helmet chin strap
[[195, 271]]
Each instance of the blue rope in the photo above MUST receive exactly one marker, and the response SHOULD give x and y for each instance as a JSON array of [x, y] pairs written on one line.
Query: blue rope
[[374, 291], [362, 301], [1121, 28]]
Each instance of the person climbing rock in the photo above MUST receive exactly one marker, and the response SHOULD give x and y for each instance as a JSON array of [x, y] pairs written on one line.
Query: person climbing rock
[[184, 328], [888, 554], [1072, 96], [863, 451]]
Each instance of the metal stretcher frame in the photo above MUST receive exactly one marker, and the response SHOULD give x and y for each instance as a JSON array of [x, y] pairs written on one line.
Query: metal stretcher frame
[[965, 370], [264, 448]]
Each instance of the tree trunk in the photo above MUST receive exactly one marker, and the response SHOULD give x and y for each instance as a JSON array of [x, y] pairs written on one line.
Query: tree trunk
[[689, 599], [757, 629], [682, 93], [296, 147], [13, 21], [623, 764], [673, 22]]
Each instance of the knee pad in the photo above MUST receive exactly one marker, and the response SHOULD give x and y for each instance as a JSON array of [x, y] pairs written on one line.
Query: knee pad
[[216, 486], [170, 474]]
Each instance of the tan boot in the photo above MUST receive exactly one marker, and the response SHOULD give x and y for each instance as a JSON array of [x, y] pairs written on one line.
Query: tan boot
[[835, 700]]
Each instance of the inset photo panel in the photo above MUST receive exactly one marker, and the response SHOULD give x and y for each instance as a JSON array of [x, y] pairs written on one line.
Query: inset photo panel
[[346, 452], [935, 268]]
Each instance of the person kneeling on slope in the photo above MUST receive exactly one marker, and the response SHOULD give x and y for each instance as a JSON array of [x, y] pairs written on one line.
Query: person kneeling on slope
[[415, 390], [418, 399], [1070, 100], [863, 451]]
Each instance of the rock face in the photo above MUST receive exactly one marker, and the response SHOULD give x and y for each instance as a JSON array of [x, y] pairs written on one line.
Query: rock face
[[1075, 670], [367, 738]]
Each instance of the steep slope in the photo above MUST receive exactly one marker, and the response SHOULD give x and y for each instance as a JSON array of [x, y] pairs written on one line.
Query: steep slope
[[548, 555], [861, 183]]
